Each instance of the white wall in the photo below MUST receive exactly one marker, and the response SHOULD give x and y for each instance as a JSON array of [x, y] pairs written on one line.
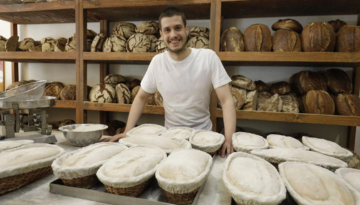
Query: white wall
[[66, 73]]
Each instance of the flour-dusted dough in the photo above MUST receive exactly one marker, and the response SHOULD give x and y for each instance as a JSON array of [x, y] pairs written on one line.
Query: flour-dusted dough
[[184, 171], [298, 155], [178, 132], [13, 144], [311, 184], [131, 167], [352, 179], [206, 141], [146, 129], [252, 180], [245, 142], [327, 147], [86, 161], [282, 141]]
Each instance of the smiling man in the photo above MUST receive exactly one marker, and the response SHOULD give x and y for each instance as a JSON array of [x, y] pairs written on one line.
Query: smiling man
[[185, 77]]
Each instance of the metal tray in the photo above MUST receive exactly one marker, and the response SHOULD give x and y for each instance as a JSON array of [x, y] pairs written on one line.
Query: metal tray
[[44, 101], [152, 195]]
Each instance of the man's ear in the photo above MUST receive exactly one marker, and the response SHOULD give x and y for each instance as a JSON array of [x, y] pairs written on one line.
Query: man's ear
[[160, 33]]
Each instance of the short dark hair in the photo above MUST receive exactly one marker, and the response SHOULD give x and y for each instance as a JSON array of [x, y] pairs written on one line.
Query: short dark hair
[[170, 12]]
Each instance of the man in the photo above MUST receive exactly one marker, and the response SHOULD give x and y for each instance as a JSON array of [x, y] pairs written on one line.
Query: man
[[185, 78]]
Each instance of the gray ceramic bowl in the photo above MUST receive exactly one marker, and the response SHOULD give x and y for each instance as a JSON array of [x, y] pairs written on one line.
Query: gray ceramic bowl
[[78, 134]]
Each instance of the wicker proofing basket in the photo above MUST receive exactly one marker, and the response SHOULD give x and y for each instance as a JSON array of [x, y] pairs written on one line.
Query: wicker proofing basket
[[181, 198], [15, 182], [130, 191], [82, 182]]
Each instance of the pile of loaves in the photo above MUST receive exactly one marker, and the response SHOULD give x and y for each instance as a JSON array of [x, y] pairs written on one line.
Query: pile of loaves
[[127, 37], [315, 37], [326, 92]]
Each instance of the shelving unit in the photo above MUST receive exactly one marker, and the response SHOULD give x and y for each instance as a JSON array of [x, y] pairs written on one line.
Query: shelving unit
[[105, 11]]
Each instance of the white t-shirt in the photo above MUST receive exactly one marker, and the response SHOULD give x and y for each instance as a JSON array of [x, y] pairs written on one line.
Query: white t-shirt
[[186, 86]]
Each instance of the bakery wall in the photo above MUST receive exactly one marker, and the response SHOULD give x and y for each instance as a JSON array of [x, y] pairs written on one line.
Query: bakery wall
[[66, 74]]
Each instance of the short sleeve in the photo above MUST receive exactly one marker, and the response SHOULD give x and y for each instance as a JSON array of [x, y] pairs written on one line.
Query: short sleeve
[[219, 75], [148, 83]]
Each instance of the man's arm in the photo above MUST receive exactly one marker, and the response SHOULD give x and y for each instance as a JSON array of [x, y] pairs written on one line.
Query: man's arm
[[229, 116], [134, 115]]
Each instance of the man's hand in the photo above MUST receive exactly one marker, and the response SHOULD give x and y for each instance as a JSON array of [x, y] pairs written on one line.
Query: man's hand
[[226, 148], [114, 138]]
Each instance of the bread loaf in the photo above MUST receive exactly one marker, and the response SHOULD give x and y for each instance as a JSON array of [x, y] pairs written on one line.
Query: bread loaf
[[48, 44], [114, 79], [257, 37], [2, 43], [53, 89], [289, 103], [66, 122], [239, 97], [337, 24], [37, 47], [317, 102], [200, 31], [198, 42], [251, 100], [135, 82], [158, 99], [348, 39], [338, 81], [90, 34], [318, 37], [71, 44], [12, 43], [243, 82], [286, 41], [262, 97], [138, 43], [153, 41], [160, 46], [122, 94], [305, 81], [68, 92], [124, 29], [98, 43], [134, 92], [273, 104], [26, 44], [232, 40], [102, 93], [17, 84], [261, 86], [287, 24], [115, 44], [348, 104], [147, 27], [280, 88]]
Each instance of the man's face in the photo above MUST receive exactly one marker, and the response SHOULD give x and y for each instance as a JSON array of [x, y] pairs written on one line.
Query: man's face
[[174, 33]]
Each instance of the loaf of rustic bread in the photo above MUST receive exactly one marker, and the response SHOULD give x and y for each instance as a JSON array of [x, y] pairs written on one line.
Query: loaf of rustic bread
[[53, 89], [261, 86], [337, 24], [338, 81], [257, 37], [318, 37], [287, 24], [122, 94], [286, 41], [147, 27], [138, 43], [232, 40], [289, 103], [68, 92], [305, 81], [348, 104], [243, 82], [114, 79], [115, 44], [124, 29], [102, 93], [198, 42], [200, 31], [348, 39], [98, 43], [317, 102], [273, 104], [280, 88], [251, 100]]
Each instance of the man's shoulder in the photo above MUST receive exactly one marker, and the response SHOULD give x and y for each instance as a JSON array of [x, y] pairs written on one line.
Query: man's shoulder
[[158, 57], [204, 51]]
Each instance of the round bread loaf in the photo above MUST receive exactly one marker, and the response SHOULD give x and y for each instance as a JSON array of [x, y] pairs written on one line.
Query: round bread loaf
[[60, 45], [262, 97], [2, 43], [257, 37], [232, 40], [338, 81], [48, 44], [348, 104], [68, 92], [286, 41], [160, 46], [200, 31], [261, 86], [115, 44], [53, 89], [239, 97], [280, 88], [153, 41], [135, 82], [26, 44], [37, 47], [272, 104], [337, 24], [158, 99], [138, 43], [71, 44], [288, 24], [122, 94], [124, 29], [251, 100], [114, 79], [134, 92], [102, 93], [305, 81], [348, 39], [289, 103], [147, 27], [17, 84], [198, 42], [243, 82], [318, 37], [317, 102], [12, 43], [98, 43]]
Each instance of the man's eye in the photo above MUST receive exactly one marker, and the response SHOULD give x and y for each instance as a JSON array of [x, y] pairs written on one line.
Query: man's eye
[[167, 30], [178, 28]]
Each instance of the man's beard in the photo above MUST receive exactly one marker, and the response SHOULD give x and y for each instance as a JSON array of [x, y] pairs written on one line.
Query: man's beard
[[179, 50]]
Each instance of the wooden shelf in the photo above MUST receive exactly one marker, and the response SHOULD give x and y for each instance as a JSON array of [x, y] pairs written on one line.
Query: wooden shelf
[[114, 107], [119, 57], [290, 58], [65, 104], [142, 10], [40, 57], [278, 8], [296, 117]]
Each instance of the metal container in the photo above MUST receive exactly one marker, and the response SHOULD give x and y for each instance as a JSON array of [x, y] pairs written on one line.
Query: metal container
[[82, 138], [30, 91]]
